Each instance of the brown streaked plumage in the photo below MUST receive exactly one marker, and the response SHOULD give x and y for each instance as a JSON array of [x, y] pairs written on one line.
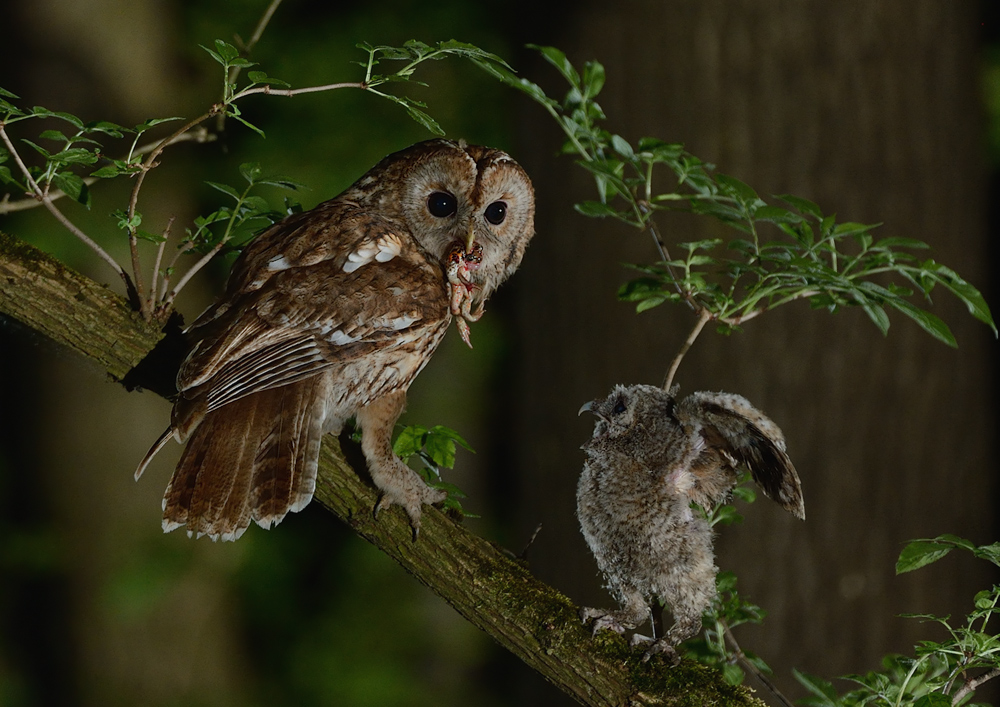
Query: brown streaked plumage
[[649, 458], [331, 314]]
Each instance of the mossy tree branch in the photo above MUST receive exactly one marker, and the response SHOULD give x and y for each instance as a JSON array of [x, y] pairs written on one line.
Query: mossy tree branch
[[477, 578]]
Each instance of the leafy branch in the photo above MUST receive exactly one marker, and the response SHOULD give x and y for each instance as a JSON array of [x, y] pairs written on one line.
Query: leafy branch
[[730, 281], [81, 160], [941, 673]]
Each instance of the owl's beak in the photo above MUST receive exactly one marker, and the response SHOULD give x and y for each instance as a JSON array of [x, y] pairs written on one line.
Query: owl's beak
[[589, 407], [469, 240]]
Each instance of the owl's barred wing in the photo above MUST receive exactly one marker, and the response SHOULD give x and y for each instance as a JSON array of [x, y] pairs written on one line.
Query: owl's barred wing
[[312, 317], [728, 422]]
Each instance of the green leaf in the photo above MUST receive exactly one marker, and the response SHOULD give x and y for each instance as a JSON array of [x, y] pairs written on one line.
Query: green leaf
[[558, 59], [38, 148], [225, 189], [409, 441], [255, 205], [803, 205], [595, 209], [622, 147], [251, 171], [423, 118], [972, 298], [732, 674], [896, 242], [147, 236], [734, 187], [821, 689], [920, 553], [650, 302], [261, 77], [107, 128], [745, 493], [75, 155], [106, 172], [73, 186], [226, 51], [282, 183], [930, 323], [933, 699], [593, 79], [442, 431], [7, 94], [9, 109], [776, 214], [153, 122], [441, 449], [850, 228], [989, 552], [53, 135], [250, 125]]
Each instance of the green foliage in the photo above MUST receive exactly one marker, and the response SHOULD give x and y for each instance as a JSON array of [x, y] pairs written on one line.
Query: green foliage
[[812, 256], [414, 53], [727, 611], [243, 217], [435, 448], [941, 672]]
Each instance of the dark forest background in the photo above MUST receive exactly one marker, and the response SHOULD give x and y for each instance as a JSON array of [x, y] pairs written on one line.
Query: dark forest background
[[879, 111]]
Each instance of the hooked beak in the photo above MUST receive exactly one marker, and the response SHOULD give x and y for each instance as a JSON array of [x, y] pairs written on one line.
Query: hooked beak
[[470, 238], [589, 407]]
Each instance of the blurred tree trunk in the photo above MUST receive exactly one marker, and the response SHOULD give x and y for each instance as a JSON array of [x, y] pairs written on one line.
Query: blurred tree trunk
[[871, 110]]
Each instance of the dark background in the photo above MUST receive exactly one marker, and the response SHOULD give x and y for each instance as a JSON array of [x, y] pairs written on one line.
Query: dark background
[[878, 111]]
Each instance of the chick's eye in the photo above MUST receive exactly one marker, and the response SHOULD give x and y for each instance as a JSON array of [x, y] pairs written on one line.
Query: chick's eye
[[442, 204], [496, 212], [619, 408]]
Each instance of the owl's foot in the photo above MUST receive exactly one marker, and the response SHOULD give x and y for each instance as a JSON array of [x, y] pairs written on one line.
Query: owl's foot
[[410, 492], [663, 646], [605, 620]]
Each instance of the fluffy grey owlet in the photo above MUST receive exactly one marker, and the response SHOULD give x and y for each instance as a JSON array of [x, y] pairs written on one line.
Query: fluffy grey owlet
[[650, 457], [330, 314]]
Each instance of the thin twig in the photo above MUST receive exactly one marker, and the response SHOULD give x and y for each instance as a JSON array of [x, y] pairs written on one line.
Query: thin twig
[[156, 263], [7, 206], [971, 685], [297, 91], [661, 247], [234, 71], [751, 668], [147, 165], [54, 210], [703, 316], [169, 299]]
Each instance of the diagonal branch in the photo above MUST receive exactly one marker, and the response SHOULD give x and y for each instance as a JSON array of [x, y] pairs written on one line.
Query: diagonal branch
[[480, 580]]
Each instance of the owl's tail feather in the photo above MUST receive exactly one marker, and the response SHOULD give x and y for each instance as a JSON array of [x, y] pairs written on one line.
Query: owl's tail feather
[[153, 451], [254, 459]]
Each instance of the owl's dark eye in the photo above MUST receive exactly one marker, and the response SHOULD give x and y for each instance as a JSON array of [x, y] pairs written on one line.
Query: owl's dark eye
[[442, 204], [496, 212], [619, 408]]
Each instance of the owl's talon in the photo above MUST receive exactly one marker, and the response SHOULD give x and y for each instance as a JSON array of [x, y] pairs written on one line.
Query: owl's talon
[[463, 330], [664, 647], [603, 620]]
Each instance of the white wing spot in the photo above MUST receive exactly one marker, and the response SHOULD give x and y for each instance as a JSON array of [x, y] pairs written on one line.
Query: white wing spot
[[340, 338], [278, 262], [402, 322], [382, 250]]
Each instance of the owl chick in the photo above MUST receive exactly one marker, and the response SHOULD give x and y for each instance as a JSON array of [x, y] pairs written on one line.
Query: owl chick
[[649, 458], [330, 314]]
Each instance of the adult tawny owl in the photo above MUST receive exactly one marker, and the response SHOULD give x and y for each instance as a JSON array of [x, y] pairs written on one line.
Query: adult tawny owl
[[331, 314], [649, 458]]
